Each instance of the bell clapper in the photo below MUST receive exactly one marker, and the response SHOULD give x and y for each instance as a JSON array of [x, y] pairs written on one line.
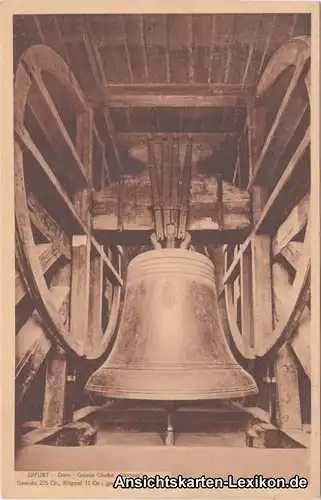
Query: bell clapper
[[170, 233], [169, 437], [186, 242], [154, 241]]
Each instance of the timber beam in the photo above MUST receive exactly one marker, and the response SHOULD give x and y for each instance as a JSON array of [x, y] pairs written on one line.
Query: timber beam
[[210, 210], [168, 95], [130, 139]]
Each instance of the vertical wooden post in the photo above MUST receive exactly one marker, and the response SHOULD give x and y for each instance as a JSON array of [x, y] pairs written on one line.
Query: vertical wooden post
[[219, 255], [288, 407], [256, 126], [257, 263], [56, 408], [95, 302], [262, 287], [166, 183], [261, 284], [80, 262], [79, 306], [84, 142], [261, 272], [246, 299]]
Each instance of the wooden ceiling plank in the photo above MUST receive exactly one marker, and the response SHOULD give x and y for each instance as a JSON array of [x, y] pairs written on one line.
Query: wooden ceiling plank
[[168, 63], [95, 59], [266, 48], [229, 51], [39, 30], [61, 40], [191, 49], [295, 19], [92, 50], [91, 56], [211, 49], [126, 48], [250, 55], [142, 24]]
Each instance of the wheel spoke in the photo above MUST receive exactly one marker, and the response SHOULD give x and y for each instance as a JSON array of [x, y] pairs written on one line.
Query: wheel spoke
[[48, 257], [64, 200], [301, 341], [293, 253], [284, 125], [294, 223], [48, 227]]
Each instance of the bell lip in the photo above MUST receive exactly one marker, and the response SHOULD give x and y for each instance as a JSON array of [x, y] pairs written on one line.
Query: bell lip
[[203, 392], [168, 252], [174, 397]]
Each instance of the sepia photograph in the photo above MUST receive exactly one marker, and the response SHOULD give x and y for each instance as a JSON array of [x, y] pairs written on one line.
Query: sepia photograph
[[163, 219]]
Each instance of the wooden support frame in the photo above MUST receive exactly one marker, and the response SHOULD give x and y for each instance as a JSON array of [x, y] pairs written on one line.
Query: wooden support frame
[[185, 191], [48, 227], [48, 118], [169, 95], [79, 301], [132, 139], [246, 299], [297, 53], [75, 215], [96, 279], [155, 192], [47, 257], [27, 143], [283, 237], [166, 185], [288, 415], [55, 409], [267, 211]]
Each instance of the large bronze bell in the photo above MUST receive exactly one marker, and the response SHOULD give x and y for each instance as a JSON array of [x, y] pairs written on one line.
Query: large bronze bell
[[170, 345]]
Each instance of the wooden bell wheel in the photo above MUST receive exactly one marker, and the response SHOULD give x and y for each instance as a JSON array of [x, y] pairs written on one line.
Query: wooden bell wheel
[[267, 278], [54, 183]]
